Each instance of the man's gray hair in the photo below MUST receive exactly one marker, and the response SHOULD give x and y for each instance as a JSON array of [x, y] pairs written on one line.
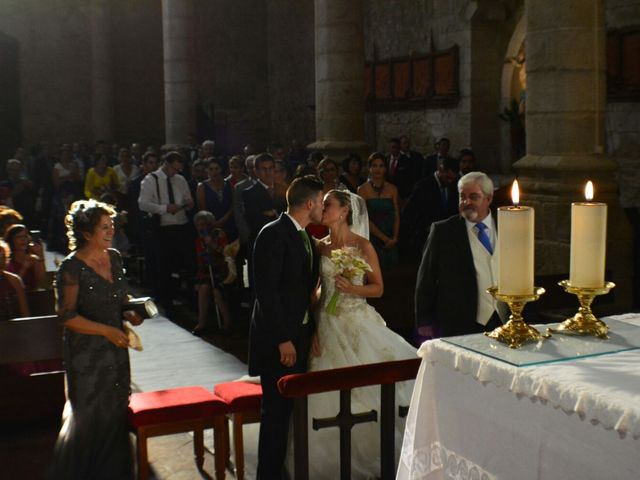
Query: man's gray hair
[[205, 215], [208, 143], [482, 179]]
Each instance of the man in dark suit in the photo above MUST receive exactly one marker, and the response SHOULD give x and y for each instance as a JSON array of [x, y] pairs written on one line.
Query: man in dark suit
[[259, 202], [259, 205], [285, 266], [431, 162], [458, 266], [417, 160], [399, 170], [433, 198]]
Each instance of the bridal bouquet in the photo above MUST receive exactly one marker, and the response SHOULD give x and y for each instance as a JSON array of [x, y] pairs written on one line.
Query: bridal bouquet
[[350, 264]]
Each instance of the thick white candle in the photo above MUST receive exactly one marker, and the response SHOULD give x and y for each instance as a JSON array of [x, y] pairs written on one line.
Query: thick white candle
[[515, 250], [588, 244]]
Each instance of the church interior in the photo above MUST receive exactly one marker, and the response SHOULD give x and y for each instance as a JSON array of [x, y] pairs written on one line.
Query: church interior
[[543, 91]]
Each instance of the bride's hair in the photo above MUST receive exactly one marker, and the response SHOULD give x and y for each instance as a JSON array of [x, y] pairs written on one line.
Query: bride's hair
[[344, 199]]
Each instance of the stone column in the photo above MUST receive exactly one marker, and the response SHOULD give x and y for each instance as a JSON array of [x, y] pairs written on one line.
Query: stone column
[[179, 86], [565, 110], [101, 70], [339, 52]]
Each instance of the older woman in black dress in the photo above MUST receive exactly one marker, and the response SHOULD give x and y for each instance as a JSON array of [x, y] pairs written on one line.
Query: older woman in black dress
[[94, 441]]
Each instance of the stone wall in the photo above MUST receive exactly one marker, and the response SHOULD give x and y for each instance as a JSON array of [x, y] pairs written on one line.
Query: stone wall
[[623, 118], [482, 31], [395, 29], [291, 63], [55, 67], [231, 69], [137, 72]]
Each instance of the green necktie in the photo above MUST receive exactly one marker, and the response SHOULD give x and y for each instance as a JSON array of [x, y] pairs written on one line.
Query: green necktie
[[307, 246]]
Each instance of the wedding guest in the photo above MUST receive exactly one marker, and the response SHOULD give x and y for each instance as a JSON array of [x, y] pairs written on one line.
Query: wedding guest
[[328, 171], [432, 161], [126, 171], [259, 205], [216, 196], [280, 184], [8, 217], [434, 198], [142, 237], [239, 213], [384, 213], [304, 170], [236, 170], [352, 169], [216, 270], [198, 175], [165, 194], [13, 300], [100, 179], [91, 289], [27, 257], [21, 189], [467, 160], [314, 159], [67, 185], [400, 170]]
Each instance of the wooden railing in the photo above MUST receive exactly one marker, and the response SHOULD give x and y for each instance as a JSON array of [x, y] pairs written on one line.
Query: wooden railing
[[385, 374]]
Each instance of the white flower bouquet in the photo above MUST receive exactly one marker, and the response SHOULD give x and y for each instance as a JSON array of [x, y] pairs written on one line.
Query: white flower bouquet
[[350, 264]]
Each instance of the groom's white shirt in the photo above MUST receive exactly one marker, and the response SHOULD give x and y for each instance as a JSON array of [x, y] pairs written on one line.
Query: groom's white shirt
[[295, 223]]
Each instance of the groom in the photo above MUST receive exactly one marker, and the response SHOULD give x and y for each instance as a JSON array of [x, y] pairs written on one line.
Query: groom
[[285, 270]]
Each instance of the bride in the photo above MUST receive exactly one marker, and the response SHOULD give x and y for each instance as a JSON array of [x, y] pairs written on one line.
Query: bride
[[354, 335]]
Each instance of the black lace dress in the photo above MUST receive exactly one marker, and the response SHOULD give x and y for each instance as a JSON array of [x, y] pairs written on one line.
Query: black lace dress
[[94, 441]]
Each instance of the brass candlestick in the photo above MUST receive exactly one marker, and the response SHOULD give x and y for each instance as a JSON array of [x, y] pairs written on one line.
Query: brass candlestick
[[516, 332], [584, 322]]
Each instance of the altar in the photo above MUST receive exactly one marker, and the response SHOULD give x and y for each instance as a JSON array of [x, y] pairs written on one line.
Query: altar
[[477, 417]]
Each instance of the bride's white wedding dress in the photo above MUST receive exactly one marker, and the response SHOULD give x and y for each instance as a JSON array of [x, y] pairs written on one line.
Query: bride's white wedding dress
[[355, 335]]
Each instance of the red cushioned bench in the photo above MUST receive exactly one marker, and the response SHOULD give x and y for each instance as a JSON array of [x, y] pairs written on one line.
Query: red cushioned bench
[[178, 410], [243, 401]]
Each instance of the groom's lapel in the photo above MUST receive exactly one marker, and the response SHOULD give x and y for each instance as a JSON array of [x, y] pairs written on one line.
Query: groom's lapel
[[297, 241]]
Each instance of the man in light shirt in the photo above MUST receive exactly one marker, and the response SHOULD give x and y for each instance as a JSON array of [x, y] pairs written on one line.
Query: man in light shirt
[[458, 265], [166, 193]]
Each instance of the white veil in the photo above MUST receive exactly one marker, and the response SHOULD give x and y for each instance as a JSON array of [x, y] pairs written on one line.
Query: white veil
[[359, 216]]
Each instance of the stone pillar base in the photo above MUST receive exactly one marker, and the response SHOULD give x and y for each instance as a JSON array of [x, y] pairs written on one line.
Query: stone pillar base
[[550, 184], [338, 150]]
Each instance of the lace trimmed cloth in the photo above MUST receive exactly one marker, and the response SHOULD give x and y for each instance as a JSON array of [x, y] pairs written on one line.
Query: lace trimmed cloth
[[603, 390]]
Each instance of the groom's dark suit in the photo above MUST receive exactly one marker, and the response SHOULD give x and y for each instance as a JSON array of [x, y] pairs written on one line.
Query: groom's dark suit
[[284, 279]]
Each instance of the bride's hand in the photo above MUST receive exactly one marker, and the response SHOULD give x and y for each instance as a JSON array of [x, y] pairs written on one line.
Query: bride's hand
[[343, 285]]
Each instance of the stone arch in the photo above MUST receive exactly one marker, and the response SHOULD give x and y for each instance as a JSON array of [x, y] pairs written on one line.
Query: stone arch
[[10, 117], [509, 79]]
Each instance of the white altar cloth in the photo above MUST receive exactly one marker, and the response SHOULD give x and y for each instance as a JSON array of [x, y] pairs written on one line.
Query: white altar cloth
[[473, 417]]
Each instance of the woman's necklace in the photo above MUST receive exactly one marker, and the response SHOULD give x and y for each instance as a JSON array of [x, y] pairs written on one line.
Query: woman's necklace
[[377, 189]]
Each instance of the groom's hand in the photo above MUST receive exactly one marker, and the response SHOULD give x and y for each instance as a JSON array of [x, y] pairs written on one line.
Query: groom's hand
[[287, 354]]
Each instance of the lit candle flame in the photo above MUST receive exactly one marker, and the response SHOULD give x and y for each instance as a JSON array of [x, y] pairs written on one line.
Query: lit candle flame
[[515, 193], [588, 191]]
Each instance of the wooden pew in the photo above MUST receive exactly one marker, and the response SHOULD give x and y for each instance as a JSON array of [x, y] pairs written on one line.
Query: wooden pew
[[31, 376], [41, 302]]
